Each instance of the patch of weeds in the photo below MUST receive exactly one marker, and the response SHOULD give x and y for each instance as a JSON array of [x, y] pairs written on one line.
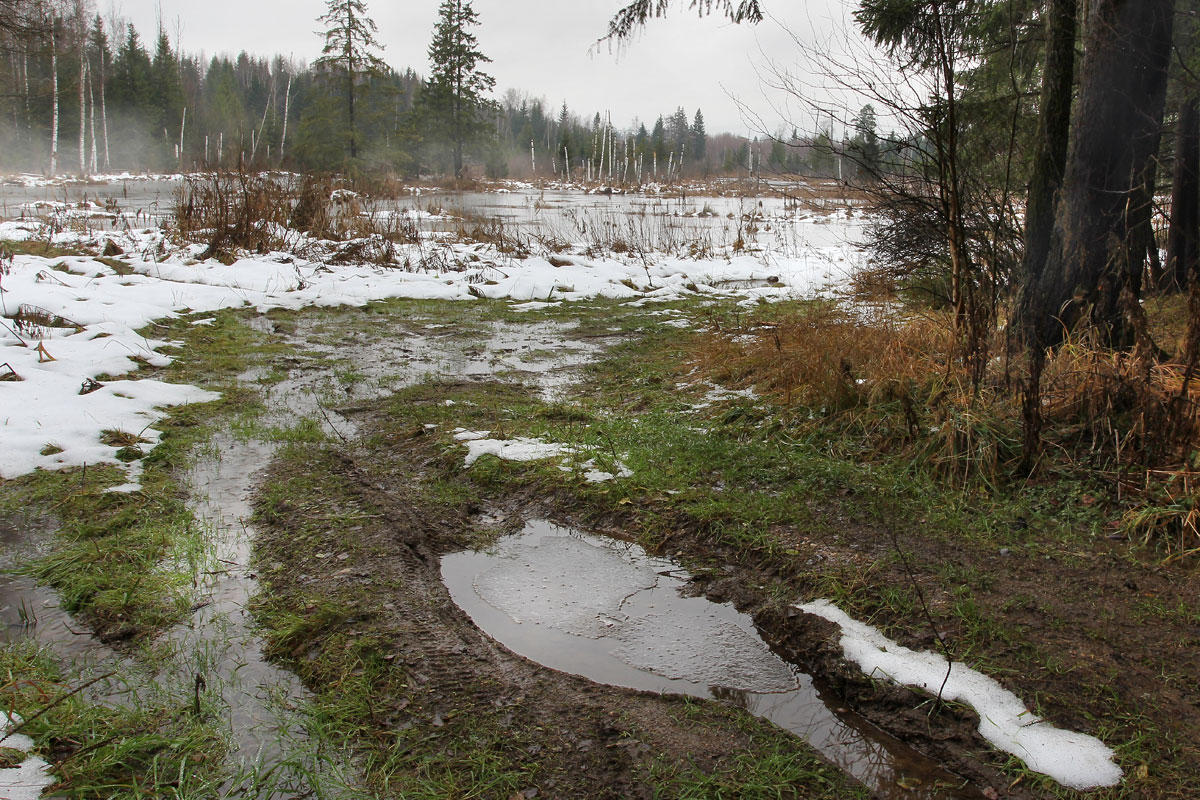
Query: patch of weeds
[[1181, 613], [304, 431], [155, 745], [120, 267], [39, 248], [118, 438], [773, 768]]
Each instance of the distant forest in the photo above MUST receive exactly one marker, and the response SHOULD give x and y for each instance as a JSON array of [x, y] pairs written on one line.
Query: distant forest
[[81, 94]]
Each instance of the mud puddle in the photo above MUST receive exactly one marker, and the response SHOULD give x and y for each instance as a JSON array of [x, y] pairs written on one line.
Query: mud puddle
[[606, 610], [361, 367], [30, 611]]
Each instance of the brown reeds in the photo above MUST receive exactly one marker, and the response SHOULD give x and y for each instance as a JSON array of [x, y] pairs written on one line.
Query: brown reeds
[[892, 383]]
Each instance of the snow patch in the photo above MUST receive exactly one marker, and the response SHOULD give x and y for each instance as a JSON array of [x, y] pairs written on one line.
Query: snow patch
[[28, 781], [519, 449], [528, 449], [1073, 759]]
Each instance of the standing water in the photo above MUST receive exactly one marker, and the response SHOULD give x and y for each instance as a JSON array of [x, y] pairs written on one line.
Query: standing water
[[606, 610]]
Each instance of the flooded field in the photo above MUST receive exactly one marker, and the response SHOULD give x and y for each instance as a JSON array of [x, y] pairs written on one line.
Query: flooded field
[[341, 623]]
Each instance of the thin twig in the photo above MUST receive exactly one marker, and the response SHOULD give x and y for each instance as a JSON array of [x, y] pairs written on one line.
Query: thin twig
[[895, 537]]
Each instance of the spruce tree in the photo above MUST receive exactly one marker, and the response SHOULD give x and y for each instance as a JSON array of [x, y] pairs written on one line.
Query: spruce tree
[[699, 137], [166, 90], [349, 53], [454, 98]]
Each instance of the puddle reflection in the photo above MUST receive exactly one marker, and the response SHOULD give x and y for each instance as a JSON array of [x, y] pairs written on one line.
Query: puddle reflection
[[609, 612]]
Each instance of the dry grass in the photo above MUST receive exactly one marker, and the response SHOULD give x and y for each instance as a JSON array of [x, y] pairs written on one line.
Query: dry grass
[[888, 382]]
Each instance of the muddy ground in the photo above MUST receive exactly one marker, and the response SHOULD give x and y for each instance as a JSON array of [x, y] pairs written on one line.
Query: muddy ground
[[367, 491], [436, 677], [1100, 638]]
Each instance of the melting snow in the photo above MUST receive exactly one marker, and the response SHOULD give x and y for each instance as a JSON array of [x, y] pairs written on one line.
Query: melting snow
[[48, 423], [526, 449], [27, 781], [519, 449], [1073, 759]]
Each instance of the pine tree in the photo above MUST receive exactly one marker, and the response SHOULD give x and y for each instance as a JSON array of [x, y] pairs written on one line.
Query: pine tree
[[658, 140], [101, 55], [349, 45], [865, 145], [455, 95]]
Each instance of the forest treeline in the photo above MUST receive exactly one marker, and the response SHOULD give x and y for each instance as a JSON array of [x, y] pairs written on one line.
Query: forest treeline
[[81, 93]]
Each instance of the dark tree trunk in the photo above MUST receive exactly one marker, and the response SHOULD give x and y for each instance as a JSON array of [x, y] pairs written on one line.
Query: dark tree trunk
[[1095, 259], [1144, 252], [353, 127], [1183, 242], [1050, 160]]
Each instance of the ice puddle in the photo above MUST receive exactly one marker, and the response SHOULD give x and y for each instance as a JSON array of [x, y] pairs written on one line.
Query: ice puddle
[[606, 610]]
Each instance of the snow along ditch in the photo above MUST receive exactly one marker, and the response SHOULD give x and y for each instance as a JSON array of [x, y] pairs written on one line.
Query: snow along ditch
[[27, 781], [1073, 759]]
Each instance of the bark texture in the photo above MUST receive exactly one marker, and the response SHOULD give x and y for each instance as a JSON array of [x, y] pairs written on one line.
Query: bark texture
[[1097, 253]]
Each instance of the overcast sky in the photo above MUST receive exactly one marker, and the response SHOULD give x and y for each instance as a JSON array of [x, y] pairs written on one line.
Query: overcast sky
[[542, 48]]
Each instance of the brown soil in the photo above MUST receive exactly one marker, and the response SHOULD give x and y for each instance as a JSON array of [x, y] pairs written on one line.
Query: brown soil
[[445, 677], [1117, 671]]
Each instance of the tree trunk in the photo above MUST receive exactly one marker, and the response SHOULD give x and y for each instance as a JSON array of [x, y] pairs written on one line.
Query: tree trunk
[[82, 113], [104, 113], [1050, 158], [54, 101], [1094, 250], [287, 101], [353, 132], [1183, 241], [93, 160]]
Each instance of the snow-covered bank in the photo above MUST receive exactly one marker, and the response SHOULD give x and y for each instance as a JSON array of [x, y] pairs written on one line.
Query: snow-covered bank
[[1073, 759], [69, 321]]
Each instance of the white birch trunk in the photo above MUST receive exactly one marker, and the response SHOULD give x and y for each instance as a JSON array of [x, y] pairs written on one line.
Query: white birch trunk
[[104, 115], [287, 101], [54, 92], [82, 113], [93, 159]]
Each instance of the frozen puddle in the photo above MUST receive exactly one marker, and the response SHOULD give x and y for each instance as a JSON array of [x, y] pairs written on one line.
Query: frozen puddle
[[606, 610]]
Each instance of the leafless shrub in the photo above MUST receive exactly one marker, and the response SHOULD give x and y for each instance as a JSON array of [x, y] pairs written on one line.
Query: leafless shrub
[[232, 211]]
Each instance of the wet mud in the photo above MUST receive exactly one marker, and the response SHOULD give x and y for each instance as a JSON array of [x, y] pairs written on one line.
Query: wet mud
[[604, 609]]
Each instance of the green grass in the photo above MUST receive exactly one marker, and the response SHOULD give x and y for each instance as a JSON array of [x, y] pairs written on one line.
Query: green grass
[[773, 769], [154, 745]]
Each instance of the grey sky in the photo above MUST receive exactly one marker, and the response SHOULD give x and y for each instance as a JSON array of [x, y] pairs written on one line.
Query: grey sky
[[542, 48]]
